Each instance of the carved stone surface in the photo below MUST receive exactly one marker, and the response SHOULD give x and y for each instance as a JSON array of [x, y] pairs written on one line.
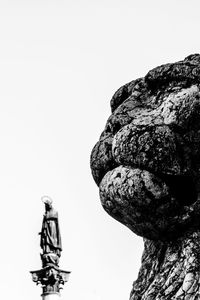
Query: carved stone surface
[[49, 259], [50, 278], [147, 166], [50, 241], [169, 270]]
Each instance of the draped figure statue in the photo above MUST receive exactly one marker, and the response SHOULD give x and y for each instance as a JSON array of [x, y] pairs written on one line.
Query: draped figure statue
[[50, 241], [50, 276]]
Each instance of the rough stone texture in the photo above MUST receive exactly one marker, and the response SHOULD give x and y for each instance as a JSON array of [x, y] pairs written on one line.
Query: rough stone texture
[[147, 166], [169, 270]]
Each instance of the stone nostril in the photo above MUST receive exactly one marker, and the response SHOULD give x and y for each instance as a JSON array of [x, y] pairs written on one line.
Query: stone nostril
[[183, 188]]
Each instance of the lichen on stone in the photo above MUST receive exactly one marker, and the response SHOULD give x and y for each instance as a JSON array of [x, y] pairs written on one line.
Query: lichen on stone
[[147, 166]]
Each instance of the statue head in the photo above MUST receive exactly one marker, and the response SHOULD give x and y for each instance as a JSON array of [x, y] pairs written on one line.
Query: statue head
[[47, 201], [147, 160]]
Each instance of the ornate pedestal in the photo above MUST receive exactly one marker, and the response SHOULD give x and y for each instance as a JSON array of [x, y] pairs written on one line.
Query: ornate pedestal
[[51, 278]]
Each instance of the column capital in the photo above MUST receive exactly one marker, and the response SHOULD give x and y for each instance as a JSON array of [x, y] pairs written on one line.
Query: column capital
[[50, 278]]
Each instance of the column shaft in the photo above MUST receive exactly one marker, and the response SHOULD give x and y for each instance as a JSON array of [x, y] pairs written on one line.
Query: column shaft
[[51, 297]]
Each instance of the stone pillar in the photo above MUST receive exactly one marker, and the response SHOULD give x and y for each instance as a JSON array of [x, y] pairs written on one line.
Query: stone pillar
[[51, 297]]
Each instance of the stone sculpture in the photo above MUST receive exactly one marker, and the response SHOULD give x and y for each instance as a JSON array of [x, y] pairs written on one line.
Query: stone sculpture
[[50, 277], [50, 241], [147, 166]]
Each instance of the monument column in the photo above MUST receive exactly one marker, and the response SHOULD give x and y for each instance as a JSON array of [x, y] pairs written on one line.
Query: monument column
[[50, 297], [51, 277]]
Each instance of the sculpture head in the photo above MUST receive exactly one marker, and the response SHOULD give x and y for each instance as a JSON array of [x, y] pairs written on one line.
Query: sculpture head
[[147, 160], [47, 202]]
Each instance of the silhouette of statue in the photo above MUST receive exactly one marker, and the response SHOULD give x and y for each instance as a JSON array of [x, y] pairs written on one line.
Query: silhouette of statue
[[50, 234], [51, 277]]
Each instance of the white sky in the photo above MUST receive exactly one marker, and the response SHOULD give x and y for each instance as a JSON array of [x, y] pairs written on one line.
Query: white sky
[[60, 63]]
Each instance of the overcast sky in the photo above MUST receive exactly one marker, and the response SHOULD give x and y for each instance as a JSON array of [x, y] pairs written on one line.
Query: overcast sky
[[60, 63]]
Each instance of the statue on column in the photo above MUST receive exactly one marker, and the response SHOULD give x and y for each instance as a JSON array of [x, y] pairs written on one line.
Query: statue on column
[[50, 241], [51, 277]]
